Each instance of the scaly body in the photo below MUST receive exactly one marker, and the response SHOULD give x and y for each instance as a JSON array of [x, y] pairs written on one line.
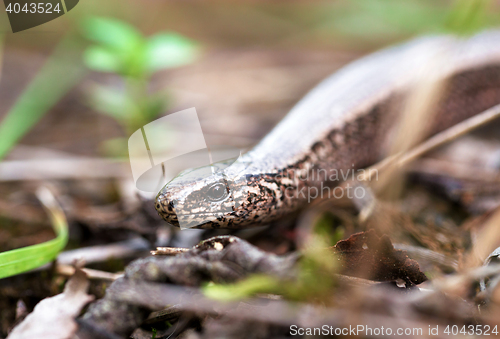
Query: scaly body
[[340, 126]]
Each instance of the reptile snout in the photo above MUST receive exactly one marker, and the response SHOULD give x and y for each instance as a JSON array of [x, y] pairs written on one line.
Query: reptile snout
[[165, 207]]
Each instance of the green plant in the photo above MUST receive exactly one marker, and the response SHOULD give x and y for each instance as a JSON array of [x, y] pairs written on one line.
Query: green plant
[[469, 16], [315, 277], [27, 258], [364, 22], [59, 74], [122, 50]]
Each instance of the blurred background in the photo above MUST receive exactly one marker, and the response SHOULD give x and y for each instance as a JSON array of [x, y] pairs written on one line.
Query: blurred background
[[249, 63], [74, 89]]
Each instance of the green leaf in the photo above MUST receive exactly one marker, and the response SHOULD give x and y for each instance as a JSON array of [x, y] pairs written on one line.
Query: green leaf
[[59, 74], [468, 16], [30, 257], [102, 59], [169, 50], [120, 47], [243, 289], [112, 33]]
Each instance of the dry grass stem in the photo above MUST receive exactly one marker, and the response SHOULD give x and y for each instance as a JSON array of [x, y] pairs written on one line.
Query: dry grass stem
[[171, 251], [450, 134], [419, 109], [68, 270]]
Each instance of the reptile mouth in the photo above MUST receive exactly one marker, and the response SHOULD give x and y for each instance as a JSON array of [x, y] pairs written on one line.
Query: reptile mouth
[[193, 220], [171, 213], [202, 214]]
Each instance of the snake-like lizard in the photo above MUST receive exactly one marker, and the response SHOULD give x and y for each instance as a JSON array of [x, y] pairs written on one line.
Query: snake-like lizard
[[340, 126]]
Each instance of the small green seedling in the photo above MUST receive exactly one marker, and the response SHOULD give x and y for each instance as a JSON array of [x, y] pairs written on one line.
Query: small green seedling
[[315, 277], [122, 50]]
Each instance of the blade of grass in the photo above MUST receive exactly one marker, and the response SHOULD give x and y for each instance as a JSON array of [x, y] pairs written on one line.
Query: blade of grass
[[27, 258], [59, 74], [468, 16]]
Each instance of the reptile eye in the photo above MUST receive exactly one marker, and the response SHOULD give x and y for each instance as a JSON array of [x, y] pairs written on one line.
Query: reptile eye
[[217, 192]]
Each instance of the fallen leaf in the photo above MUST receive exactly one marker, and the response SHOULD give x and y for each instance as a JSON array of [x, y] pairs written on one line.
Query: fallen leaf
[[54, 317], [366, 255]]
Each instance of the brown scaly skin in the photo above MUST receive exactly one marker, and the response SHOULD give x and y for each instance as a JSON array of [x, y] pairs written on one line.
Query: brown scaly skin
[[340, 126]]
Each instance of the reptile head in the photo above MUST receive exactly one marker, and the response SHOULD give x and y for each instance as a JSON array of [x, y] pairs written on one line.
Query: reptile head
[[205, 197]]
